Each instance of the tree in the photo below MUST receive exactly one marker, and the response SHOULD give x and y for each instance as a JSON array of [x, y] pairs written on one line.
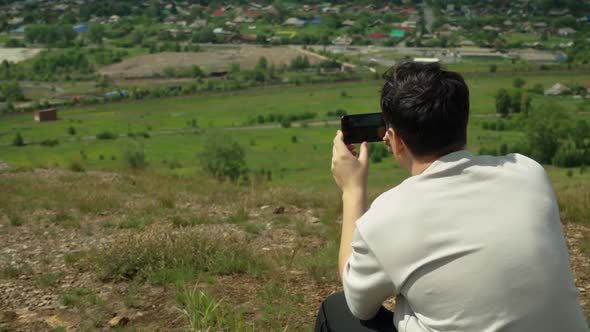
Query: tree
[[516, 101], [493, 68], [503, 149], [95, 33], [503, 101], [262, 63], [204, 35], [546, 127], [581, 134], [234, 68], [137, 37], [525, 102], [518, 82], [224, 159], [18, 140], [262, 39], [103, 82], [11, 91], [197, 72]]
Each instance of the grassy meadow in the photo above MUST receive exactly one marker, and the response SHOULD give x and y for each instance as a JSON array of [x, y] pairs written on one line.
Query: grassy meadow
[[294, 155], [101, 246]]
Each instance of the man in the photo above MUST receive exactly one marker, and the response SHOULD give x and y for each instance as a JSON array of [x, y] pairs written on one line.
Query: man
[[467, 243]]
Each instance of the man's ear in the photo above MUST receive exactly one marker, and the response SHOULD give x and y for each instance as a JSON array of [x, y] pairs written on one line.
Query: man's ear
[[398, 146]]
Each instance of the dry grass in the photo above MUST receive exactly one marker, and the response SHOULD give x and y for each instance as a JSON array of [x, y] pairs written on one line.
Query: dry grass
[[574, 203], [162, 253], [238, 258]]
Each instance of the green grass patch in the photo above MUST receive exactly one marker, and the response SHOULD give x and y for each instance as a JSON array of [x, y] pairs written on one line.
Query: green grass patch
[[322, 265], [14, 271], [135, 222], [47, 279], [204, 313], [163, 256], [181, 221], [240, 216], [77, 297]]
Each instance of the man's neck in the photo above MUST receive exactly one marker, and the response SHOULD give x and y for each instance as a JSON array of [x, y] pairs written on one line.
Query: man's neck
[[418, 167]]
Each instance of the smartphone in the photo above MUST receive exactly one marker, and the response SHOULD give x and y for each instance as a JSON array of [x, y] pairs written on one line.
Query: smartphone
[[359, 128]]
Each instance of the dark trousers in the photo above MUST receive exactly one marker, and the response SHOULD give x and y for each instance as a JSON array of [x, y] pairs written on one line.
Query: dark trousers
[[334, 315]]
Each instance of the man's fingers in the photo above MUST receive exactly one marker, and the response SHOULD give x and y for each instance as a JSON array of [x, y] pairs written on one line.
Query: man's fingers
[[364, 153], [339, 141]]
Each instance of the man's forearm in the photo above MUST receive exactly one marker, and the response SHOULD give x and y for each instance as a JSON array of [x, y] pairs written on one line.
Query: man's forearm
[[354, 205]]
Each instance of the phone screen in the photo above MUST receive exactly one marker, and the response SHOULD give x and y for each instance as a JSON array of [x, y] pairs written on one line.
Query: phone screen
[[359, 128]]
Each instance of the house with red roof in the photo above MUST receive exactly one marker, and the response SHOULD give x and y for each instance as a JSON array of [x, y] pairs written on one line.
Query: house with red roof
[[588, 87], [218, 12], [253, 14], [407, 11], [241, 39], [377, 35]]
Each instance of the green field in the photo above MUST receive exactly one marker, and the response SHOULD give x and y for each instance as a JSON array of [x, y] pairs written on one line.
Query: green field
[[306, 162]]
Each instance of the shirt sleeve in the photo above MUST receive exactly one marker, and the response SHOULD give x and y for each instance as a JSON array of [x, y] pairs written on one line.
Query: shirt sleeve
[[366, 285]]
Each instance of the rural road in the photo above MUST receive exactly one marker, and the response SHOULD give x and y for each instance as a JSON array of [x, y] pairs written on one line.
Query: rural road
[[428, 16]]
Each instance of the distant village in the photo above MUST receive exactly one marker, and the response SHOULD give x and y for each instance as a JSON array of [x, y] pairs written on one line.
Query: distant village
[[484, 24]]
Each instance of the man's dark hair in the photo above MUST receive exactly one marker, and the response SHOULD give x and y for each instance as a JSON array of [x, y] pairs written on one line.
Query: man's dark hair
[[427, 107]]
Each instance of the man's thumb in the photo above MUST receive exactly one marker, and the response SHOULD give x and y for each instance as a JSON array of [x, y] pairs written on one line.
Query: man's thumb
[[364, 153]]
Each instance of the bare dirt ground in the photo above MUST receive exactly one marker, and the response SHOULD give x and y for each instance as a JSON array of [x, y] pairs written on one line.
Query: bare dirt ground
[[211, 60], [17, 54], [35, 298]]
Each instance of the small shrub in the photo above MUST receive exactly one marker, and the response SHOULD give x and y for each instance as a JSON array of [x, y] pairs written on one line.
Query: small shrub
[[18, 140], [16, 220], [76, 166], [174, 164], [135, 157], [104, 135], [223, 159], [72, 131], [49, 142], [285, 123]]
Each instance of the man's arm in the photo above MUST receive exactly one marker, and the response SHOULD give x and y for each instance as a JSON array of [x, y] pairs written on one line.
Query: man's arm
[[354, 205], [350, 174]]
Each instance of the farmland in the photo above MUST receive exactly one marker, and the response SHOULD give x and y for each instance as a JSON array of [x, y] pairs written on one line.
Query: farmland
[[173, 136], [213, 59]]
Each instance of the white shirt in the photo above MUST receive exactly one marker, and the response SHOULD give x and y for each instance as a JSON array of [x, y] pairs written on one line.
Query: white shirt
[[474, 243]]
